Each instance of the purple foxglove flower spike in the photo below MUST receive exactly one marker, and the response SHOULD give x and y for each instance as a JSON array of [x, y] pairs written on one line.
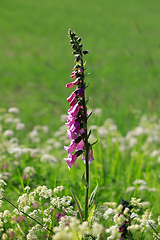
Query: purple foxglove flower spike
[[77, 114]]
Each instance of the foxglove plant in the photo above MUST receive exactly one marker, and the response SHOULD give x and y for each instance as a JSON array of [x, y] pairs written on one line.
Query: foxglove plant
[[77, 114]]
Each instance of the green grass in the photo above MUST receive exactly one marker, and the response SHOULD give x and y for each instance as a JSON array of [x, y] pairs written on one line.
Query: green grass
[[36, 58]]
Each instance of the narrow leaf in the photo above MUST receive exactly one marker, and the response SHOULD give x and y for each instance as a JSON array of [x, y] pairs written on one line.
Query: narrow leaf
[[92, 195], [90, 114], [94, 142], [84, 182], [78, 139], [91, 214], [86, 101], [78, 204], [79, 152], [89, 133]]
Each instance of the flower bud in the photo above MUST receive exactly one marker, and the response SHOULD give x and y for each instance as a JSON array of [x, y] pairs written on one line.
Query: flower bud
[[77, 58], [74, 47], [80, 45], [85, 52], [79, 39]]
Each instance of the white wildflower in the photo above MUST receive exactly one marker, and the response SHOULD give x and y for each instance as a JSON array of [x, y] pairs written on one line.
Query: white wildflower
[[119, 218], [102, 131], [6, 213], [32, 232], [33, 134], [62, 234], [143, 188], [154, 153], [26, 208], [1, 202], [17, 150], [2, 183], [30, 171], [113, 128], [136, 202], [13, 110], [23, 201], [97, 229], [74, 224], [58, 189], [48, 158], [119, 208], [130, 189], [145, 204], [45, 129], [110, 204], [63, 118], [97, 111], [133, 141], [139, 181], [57, 144], [9, 120], [126, 211], [20, 126], [50, 141], [17, 120], [84, 227], [107, 213], [8, 133], [14, 140], [114, 231], [4, 236], [133, 227], [138, 131], [27, 188], [43, 191]]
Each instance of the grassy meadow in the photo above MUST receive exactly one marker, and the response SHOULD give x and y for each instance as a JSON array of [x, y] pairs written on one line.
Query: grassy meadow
[[36, 59], [123, 40]]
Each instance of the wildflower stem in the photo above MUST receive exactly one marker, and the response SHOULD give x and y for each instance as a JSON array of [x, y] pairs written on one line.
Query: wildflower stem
[[86, 148], [27, 214]]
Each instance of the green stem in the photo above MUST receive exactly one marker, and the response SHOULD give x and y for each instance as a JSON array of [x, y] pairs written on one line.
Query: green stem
[[86, 144]]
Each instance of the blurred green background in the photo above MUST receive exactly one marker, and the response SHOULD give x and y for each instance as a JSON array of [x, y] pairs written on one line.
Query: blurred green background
[[123, 38]]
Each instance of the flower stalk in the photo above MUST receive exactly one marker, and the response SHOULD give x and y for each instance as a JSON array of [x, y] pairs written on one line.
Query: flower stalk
[[77, 118]]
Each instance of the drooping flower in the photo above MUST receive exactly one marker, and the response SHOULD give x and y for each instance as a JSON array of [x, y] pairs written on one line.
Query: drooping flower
[[71, 159], [72, 84], [90, 157]]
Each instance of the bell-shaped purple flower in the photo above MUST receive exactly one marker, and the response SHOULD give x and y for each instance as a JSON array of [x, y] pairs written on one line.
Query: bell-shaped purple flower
[[90, 157], [71, 159]]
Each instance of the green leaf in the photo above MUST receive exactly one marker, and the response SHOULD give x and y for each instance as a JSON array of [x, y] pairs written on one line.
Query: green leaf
[[87, 101], [89, 115], [78, 139], [89, 133], [84, 182], [79, 152], [91, 213], [92, 195], [94, 143], [78, 204]]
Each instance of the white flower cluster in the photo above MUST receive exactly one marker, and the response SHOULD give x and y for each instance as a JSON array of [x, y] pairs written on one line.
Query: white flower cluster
[[43, 191], [2, 184], [75, 228], [58, 202]]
